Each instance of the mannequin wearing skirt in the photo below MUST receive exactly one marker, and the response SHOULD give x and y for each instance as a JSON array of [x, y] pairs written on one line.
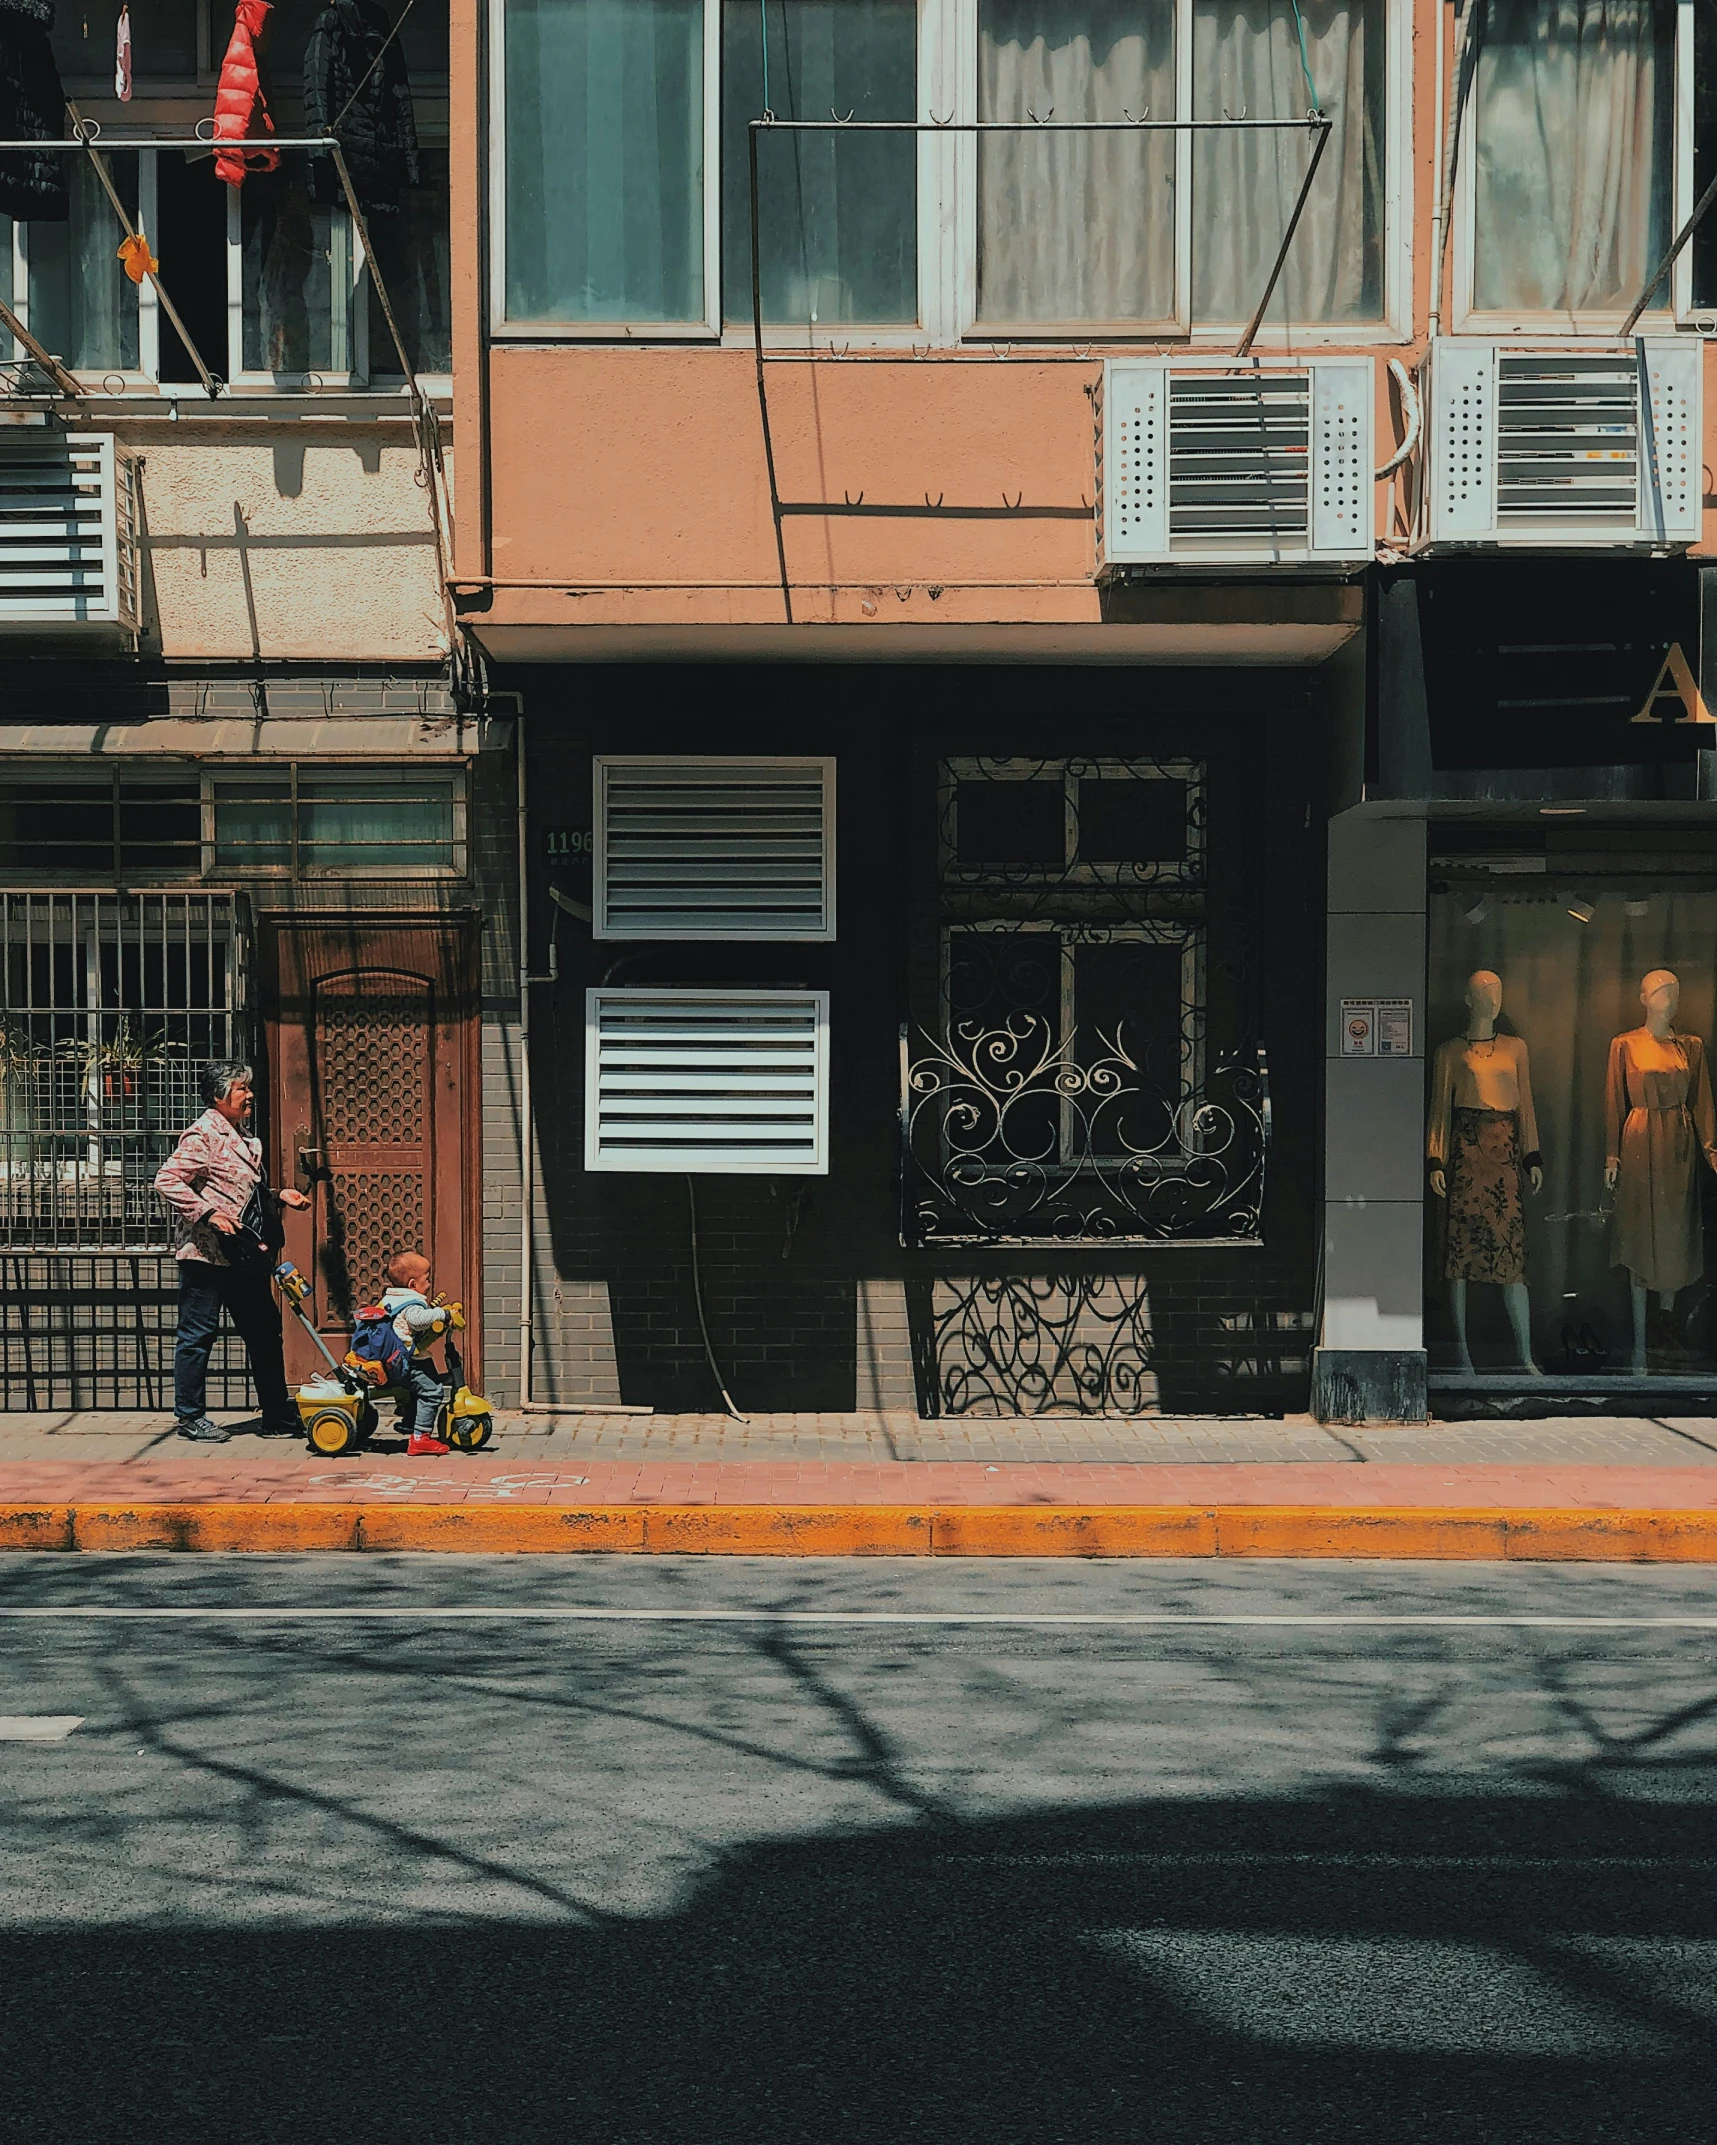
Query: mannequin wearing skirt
[[1481, 1141], [1660, 1120]]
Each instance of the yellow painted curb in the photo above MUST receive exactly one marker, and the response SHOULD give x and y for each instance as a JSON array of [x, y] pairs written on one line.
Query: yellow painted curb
[[1546, 1535]]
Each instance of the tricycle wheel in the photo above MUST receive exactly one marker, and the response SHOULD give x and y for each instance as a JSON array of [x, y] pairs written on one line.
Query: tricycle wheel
[[331, 1432], [470, 1433]]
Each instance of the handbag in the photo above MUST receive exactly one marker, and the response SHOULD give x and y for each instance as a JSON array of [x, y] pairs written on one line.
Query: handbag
[[260, 1235]]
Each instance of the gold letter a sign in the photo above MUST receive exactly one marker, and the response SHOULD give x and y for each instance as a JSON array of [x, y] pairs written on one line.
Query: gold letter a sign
[[1676, 682]]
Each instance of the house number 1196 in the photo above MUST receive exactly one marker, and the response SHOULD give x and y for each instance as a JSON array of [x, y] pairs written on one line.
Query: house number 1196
[[560, 843]]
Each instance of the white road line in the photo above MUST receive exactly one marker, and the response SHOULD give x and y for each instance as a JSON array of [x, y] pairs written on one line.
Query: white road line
[[38, 1727], [465, 1612]]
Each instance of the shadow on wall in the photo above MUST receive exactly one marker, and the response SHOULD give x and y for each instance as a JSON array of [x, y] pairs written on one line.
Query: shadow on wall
[[1370, 1966]]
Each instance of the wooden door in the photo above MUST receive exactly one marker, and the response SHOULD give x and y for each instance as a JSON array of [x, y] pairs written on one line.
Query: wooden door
[[372, 1111]]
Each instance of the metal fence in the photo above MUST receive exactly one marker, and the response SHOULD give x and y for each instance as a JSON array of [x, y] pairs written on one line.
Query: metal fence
[[111, 1004]]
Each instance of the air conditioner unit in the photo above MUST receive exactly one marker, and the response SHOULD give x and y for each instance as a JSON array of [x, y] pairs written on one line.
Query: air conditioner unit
[[1266, 464], [714, 847], [68, 534], [1558, 446], [711, 1082]]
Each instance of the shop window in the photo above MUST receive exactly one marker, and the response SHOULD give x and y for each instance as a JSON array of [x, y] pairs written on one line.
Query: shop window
[[321, 822], [100, 825], [268, 277], [1572, 1216]]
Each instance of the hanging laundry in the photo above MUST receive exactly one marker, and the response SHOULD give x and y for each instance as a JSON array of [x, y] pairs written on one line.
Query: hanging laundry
[[355, 87], [122, 57], [241, 109], [136, 259], [32, 108]]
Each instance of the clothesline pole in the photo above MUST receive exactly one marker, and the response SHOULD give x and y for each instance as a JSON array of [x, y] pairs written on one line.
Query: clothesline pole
[[1323, 128], [210, 386]]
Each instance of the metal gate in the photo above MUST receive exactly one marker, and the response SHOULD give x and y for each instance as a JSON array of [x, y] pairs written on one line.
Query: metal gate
[[111, 1004]]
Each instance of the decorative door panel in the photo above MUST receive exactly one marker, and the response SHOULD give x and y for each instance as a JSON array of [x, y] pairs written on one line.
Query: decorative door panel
[[372, 1110]]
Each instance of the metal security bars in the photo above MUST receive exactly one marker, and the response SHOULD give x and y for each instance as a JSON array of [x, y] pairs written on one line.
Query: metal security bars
[[111, 1004]]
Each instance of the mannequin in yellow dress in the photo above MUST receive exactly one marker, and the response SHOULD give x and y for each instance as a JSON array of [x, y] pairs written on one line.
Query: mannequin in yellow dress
[[1481, 1140]]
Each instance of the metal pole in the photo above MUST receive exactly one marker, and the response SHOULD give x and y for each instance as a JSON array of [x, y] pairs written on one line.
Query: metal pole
[[762, 388], [1668, 262], [1322, 126]]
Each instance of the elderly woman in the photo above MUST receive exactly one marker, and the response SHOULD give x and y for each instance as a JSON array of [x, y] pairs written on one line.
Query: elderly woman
[[209, 1180]]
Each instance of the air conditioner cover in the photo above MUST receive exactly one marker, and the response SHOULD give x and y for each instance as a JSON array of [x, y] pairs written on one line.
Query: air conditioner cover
[[1564, 445], [68, 534], [1207, 464], [707, 1082]]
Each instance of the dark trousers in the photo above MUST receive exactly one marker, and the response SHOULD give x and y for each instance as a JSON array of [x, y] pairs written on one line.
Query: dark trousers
[[248, 1300]]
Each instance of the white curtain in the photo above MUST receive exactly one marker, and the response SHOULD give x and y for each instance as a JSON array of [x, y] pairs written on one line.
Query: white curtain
[[1573, 142], [1076, 226], [1081, 228], [1246, 60]]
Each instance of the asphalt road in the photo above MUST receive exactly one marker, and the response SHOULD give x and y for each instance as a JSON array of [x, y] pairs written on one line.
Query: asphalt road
[[632, 1851]]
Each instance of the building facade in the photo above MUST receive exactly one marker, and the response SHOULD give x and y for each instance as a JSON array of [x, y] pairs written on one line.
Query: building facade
[[1032, 591]]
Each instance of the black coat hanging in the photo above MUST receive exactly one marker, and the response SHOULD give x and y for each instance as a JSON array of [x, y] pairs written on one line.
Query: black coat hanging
[[32, 108], [355, 83]]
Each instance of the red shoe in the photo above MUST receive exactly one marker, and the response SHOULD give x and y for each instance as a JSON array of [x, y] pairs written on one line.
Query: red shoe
[[422, 1443]]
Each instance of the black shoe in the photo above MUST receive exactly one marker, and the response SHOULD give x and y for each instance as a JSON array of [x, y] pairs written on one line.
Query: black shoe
[[283, 1426]]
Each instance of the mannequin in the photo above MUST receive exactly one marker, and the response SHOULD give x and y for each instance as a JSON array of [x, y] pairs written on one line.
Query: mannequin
[[1482, 1138], [1660, 1119]]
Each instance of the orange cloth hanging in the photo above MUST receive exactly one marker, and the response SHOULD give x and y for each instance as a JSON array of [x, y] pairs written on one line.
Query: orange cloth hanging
[[240, 107], [136, 257]]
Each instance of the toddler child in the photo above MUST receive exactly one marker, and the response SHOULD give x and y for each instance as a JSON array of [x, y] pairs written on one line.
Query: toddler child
[[419, 1324]]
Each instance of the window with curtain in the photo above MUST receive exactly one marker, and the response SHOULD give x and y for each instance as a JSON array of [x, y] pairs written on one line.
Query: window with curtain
[[1083, 227], [83, 308], [1573, 148], [837, 214], [604, 160], [1076, 226], [1248, 58]]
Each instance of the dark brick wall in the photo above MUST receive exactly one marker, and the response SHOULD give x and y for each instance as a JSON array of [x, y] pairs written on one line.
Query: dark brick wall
[[799, 1274]]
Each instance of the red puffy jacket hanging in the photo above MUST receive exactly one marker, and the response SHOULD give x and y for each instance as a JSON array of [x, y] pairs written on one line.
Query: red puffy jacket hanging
[[241, 110]]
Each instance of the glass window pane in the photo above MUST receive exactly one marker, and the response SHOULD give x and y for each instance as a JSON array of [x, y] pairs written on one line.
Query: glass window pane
[[296, 275], [253, 822], [999, 823], [165, 47], [837, 216], [1573, 152], [1070, 226], [160, 826], [399, 819], [413, 250], [1123, 821], [1246, 60], [60, 823], [83, 307], [604, 160]]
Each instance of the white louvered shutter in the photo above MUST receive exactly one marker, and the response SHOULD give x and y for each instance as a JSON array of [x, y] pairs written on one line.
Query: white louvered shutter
[[67, 542], [710, 1082], [715, 848]]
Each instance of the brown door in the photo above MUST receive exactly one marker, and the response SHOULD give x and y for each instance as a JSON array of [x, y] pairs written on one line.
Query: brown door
[[372, 1111]]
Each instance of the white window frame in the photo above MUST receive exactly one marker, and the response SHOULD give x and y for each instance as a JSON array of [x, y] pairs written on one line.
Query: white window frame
[[504, 329], [947, 210], [349, 273], [1468, 321]]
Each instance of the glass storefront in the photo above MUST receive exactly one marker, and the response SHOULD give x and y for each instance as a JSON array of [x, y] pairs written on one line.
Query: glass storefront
[[1570, 1133]]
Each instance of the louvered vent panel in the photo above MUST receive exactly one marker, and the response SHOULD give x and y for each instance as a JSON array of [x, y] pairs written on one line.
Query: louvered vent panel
[[1240, 462], [708, 1082], [1568, 438], [62, 533], [1674, 502], [1134, 491], [728, 849]]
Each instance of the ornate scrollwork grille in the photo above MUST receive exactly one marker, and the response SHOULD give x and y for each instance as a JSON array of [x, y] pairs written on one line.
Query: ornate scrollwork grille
[[1007, 1138], [1040, 1344]]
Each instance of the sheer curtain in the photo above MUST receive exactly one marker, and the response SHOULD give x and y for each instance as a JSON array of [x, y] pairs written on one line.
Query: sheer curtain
[[604, 160], [1573, 147], [1076, 227], [82, 306], [1246, 60]]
